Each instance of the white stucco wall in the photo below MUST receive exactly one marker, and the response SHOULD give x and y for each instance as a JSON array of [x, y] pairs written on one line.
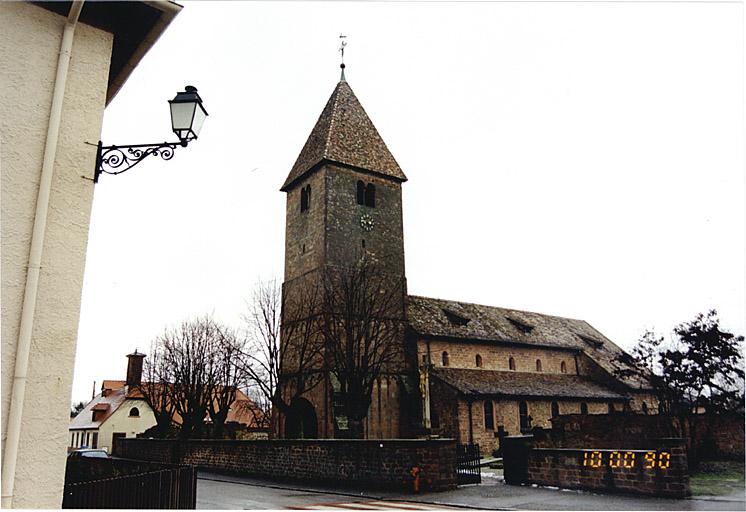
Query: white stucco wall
[[121, 421], [29, 46]]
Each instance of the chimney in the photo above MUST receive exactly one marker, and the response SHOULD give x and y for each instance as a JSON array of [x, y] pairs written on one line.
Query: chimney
[[134, 368]]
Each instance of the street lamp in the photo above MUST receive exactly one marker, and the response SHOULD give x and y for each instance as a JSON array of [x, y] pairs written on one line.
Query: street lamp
[[187, 117]]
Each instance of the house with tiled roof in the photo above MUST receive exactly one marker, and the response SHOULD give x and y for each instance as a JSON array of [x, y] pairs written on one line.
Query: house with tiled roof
[[472, 372], [120, 410]]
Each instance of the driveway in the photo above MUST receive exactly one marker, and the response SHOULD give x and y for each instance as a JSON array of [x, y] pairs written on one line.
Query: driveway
[[216, 491]]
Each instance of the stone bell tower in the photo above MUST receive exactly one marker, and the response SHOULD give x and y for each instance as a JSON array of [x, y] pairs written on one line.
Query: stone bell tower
[[344, 200]]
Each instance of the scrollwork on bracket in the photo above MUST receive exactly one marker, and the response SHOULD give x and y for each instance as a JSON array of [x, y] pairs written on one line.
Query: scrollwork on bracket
[[119, 159]]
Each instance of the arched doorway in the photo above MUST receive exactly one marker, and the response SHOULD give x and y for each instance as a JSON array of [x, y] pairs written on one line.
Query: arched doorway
[[300, 422]]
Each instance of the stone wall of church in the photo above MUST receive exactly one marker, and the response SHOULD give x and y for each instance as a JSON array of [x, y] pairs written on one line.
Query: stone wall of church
[[496, 357], [304, 231], [506, 415]]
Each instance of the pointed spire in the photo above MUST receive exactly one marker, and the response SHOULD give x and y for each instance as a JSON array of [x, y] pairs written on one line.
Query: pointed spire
[[345, 134]]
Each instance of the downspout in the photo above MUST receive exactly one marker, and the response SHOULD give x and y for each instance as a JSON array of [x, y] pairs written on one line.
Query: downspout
[[471, 425], [28, 311]]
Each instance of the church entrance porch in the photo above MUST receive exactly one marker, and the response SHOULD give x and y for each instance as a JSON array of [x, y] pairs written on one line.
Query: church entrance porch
[[301, 421]]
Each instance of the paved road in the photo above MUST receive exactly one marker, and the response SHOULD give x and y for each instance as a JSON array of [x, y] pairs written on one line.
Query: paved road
[[216, 491]]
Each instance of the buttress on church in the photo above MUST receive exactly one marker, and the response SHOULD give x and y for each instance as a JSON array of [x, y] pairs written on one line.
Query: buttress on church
[[472, 372]]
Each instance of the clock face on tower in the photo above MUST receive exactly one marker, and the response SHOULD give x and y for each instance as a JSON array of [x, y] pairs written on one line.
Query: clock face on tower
[[366, 222]]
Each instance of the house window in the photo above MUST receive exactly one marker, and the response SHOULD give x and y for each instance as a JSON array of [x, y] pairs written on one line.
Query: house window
[[644, 408], [563, 367], [305, 198], [511, 363], [134, 412], [583, 408], [445, 358], [525, 419], [94, 440], [479, 361], [538, 365], [555, 409], [489, 416]]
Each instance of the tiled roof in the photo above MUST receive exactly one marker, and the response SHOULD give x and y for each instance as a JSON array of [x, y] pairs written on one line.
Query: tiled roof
[[345, 134], [243, 409], [108, 404], [463, 320], [515, 384]]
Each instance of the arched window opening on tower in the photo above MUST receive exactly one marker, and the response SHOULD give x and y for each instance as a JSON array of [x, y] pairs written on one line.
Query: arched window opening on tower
[[360, 192], [563, 367], [511, 363], [479, 361], [538, 365], [489, 416], [305, 198], [134, 411], [446, 360], [370, 195]]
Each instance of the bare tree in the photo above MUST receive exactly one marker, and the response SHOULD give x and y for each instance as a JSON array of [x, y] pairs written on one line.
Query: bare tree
[[194, 371], [284, 350], [362, 326], [155, 389]]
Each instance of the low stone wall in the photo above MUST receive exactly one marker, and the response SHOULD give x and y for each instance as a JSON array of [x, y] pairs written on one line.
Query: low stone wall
[[368, 463], [658, 472], [716, 436]]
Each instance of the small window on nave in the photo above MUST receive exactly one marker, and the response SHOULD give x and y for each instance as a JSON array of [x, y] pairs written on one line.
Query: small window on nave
[[489, 415], [538, 365], [479, 361], [511, 363], [583, 408], [563, 367], [445, 359], [555, 409], [644, 408]]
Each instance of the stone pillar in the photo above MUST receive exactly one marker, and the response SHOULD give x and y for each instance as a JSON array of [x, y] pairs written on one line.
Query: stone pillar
[[515, 458]]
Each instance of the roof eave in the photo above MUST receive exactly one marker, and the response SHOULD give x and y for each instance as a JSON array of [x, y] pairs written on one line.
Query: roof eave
[[290, 184], [470, 339], [169, 10]]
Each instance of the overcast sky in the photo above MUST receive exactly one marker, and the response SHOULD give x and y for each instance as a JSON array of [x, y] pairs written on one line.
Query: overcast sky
[[576, 159]]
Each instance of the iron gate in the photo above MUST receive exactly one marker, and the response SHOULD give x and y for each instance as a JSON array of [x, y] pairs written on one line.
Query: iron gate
[[468, 470]]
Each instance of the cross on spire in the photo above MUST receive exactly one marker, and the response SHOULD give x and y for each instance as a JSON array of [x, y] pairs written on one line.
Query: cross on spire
[[342, 45]]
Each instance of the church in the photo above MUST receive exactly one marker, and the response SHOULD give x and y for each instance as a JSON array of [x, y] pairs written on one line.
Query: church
[[472, 372]]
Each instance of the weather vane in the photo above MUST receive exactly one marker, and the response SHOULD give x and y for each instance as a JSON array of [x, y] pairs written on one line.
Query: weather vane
[[342, 45]]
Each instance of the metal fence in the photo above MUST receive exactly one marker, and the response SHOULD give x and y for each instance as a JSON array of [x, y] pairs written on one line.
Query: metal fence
[[468, 470], [174, 488]]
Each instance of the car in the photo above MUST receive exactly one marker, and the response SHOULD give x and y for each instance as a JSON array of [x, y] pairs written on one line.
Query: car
[[89, 453]]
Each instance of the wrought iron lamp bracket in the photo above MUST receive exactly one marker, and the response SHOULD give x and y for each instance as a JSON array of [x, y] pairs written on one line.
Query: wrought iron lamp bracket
[[119, 159]]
